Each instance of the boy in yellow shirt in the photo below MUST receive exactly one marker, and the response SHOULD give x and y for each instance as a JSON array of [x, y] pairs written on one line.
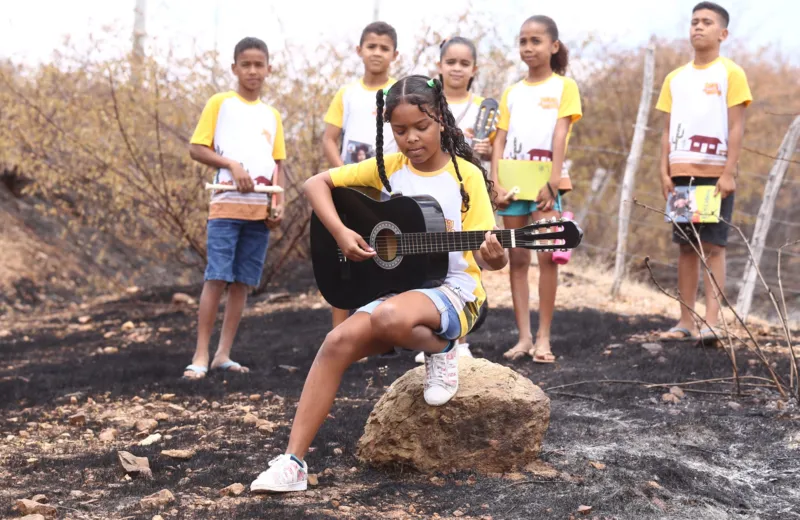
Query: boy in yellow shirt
[[351, 115], [704, 101], [242, 137]]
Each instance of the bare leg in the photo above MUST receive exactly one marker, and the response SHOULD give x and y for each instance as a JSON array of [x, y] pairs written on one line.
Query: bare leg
[[688, 279], [338, 316], [206, 316], [343, 346], [406, 320], [520, 262], [234, 306], [715, 257], [548, 285]]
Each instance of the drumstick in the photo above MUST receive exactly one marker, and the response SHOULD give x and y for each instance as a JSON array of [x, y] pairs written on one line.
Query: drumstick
[[258, 188], [513, 191]]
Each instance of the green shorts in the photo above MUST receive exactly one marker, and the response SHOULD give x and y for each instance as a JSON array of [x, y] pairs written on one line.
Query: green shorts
[[520, 208]]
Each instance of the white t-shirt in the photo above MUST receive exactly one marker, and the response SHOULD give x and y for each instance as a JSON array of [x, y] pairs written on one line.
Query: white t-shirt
[[697, 99], [354, 109]]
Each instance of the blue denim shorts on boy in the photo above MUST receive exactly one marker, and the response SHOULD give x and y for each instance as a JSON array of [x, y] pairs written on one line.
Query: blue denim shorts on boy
[[716, 234], [236, 250], [447, 300], [520, 208]]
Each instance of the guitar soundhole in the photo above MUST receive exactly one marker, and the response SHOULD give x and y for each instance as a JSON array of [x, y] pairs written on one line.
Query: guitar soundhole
[[386, 245], [384, 239]]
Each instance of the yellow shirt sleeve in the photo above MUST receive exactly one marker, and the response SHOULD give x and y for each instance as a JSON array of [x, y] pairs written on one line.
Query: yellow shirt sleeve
[[335, 115], [738, 89], [364, 174], [207, 125], [505, 115], [570, 101], [664, 103], [479, 216], [279, 146]]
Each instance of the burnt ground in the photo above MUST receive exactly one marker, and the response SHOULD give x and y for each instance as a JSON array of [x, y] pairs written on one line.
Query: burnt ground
[[617, 447]]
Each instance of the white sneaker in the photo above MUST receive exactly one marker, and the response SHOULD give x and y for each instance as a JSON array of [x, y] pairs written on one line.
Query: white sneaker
[[284, 474], [441, 377], [463, 350]]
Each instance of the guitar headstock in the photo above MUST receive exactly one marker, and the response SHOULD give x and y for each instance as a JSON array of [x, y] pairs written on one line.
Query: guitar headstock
[[486, 121], [549, 235]]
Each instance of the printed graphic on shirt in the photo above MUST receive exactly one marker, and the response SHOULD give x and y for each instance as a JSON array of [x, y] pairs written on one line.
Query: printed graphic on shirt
[[529, 113], [357, 152], [354, 110], [698, 99], [250, 133]]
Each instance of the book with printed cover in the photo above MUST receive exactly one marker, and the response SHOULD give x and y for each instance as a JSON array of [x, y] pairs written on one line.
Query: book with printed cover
[[693, 204], [529, 176]]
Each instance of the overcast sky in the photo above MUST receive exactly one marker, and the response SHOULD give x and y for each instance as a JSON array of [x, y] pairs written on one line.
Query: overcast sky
[[30, 30]]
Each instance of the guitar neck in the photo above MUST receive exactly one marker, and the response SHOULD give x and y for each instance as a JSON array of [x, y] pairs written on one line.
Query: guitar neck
[[424, 243]]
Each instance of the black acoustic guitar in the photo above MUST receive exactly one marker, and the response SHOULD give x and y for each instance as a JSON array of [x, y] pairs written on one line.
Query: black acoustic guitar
[[412, 245]]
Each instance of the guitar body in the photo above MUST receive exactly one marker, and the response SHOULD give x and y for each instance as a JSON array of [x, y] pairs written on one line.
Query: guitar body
[[348, 285]]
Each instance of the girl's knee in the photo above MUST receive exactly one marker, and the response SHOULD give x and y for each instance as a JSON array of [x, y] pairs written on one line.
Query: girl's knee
[[337, 345], [519, 259], [546, 260], [387, 322]]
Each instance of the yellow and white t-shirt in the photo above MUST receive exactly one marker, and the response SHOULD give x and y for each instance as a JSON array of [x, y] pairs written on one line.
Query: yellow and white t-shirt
[[529, 113], [466, 112], [354, 109], [697, 99], [463, 274], [250, 132]]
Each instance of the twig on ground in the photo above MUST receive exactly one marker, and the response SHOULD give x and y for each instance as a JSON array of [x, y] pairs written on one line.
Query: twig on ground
[[579, 396], [715, 380], [522, 482], [598, 381]]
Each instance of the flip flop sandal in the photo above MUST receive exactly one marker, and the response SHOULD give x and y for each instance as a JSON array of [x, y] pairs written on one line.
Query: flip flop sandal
[[515, 353], [199, 370], [231, 366], [677, 334], [542, 357], [711, 335]]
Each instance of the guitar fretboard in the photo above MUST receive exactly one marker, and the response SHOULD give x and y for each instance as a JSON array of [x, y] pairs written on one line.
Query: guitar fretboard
[[421, 243]]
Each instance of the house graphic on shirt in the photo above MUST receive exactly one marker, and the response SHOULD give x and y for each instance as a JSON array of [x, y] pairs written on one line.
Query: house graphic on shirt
[[536, 154], [707, 145]]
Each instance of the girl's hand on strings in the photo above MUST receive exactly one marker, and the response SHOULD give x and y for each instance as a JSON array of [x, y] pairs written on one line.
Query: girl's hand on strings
[[492, 252], [546, 200], [353, 246]]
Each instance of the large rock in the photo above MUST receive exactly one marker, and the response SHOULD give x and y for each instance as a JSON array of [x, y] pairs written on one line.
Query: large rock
[[495, 423]]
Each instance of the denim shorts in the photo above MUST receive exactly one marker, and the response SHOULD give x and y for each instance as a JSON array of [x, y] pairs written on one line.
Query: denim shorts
[[450, 325], [236, 250], [521, 208]]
